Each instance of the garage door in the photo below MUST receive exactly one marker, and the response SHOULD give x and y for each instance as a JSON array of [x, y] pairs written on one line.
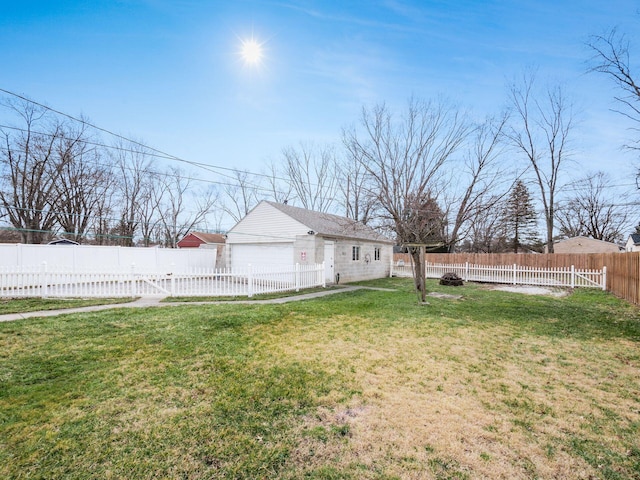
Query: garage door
[[256, 254]]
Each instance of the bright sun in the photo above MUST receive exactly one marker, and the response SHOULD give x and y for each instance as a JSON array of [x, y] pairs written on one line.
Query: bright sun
[[251, 52]]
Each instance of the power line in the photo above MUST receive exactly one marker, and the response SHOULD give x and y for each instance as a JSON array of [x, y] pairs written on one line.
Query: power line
[[156, 152], [156, 155]]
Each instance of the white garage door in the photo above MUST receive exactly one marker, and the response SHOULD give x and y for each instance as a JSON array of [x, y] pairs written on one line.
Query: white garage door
[[255, 254]]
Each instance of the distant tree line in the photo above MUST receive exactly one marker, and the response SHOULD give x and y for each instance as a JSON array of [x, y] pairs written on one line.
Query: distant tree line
[[429, 175], [58, 179]]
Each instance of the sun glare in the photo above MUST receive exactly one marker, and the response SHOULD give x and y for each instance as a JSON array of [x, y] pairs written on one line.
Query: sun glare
[[251, 52]]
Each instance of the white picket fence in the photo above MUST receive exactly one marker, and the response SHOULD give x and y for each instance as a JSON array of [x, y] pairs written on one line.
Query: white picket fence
[[48, 281], [514, 274]]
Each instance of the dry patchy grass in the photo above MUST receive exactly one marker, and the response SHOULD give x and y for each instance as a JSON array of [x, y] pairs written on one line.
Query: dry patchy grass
[[361, 385], [479, 401]]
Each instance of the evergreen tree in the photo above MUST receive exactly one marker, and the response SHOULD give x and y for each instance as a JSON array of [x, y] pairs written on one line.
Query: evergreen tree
[[520, 217]]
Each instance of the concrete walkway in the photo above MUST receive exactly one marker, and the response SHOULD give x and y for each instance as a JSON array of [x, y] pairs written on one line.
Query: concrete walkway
[[145, 302]]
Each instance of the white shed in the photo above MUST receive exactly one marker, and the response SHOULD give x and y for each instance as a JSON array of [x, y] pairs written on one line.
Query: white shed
[[279, 234]]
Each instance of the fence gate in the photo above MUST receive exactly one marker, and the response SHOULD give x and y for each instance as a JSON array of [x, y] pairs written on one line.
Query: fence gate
[[152, 285]]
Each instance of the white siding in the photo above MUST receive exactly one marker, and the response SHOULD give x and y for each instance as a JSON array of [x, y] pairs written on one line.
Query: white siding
[[265, 224], [630, 246], [261, 254]]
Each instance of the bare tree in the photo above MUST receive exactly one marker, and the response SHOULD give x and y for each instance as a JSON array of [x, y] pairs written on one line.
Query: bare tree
[[83, 183], [103, 219], [593, 212], [148, 208], [311, 171], [31, 160], [403, 159], [133, 167], [180, 209], [482, 173], [487, 231], [541, 134], [358, 202], [280, 189], [611, 57], [241, 194]]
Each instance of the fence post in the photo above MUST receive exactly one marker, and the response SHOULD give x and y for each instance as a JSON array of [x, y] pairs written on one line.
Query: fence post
[[43, 280], [573, 276], [297, 277], [515, 273], [249, 281], [133, 279], [173, 278], [323, 277], [604, 278], [466, 271]]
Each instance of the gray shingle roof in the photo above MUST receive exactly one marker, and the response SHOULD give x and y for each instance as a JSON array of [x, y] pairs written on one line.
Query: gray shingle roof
[[635, 238], [329, 225]]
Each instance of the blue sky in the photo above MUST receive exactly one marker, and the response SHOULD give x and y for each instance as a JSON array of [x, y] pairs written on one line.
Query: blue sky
[[169, 72]]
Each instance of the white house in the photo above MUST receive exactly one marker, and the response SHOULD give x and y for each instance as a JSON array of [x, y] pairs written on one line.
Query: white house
[[633, 243], [279, 234]]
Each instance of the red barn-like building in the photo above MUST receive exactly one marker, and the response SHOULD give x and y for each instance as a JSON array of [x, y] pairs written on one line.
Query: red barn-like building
[[206, 240], [196, 239]]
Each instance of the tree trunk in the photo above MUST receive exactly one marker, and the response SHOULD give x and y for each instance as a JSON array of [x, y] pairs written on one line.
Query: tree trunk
[[417, 255]]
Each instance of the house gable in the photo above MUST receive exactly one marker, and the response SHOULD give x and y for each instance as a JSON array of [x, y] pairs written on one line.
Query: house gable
[[633, 243], [195, 239], [584, 245], [266, 224]]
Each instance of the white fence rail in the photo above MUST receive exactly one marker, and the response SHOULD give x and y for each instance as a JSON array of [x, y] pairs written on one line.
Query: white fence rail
[[514, 274], [46, 281]]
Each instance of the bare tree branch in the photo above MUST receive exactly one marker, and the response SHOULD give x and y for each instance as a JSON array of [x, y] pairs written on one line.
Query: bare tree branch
[[403, 160], [592, 212], [31, 162], [541, 133], [311, 171]]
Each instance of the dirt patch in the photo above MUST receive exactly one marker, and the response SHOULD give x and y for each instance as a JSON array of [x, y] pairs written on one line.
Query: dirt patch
[[532, 290], [444, 295]]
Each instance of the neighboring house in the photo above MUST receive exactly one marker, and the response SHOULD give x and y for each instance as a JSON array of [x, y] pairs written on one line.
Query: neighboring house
[[633, 243], [584, 245], [198, 239], [206, 240], [280, 234]]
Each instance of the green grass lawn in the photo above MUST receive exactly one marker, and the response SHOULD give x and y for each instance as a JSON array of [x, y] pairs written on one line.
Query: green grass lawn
[[244, 298], [357, 385], [36, 304]]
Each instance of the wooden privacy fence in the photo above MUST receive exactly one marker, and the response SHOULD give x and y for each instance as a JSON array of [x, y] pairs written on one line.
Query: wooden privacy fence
[[623, 269], [46, 281]]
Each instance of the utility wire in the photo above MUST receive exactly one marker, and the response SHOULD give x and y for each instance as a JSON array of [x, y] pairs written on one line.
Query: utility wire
[[156, 152], [156, 155]]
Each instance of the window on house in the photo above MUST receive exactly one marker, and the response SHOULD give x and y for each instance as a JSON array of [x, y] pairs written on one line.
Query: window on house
[[355, 253], [376, 253]]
